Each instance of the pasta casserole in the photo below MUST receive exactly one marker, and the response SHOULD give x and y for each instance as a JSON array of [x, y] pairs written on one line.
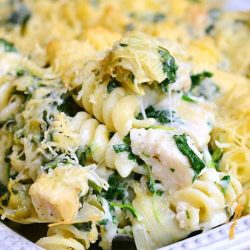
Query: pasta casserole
[[123, 118]]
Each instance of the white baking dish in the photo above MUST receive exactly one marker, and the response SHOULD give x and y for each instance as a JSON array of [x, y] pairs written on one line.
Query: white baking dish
[[215, 239]]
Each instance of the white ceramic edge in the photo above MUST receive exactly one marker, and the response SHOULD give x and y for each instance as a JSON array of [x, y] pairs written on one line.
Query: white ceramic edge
[[10, 240], [218, 238], [212, 240], [241, 5]]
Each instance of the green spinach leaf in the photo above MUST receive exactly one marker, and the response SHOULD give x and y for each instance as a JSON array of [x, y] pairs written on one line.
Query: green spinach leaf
[[112, 85], [196, 162], [20, 16], [117, 188], [169, 67], [68, 106], [86, 226], [162, 116], [216, 157], [198, 78], [224, 182], [83, 153], [128, 207], [126, 147], [8, 47]]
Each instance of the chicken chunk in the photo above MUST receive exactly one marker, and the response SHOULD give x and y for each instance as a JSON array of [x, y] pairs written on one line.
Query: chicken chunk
[[55, 195], [198, 120], [158, 149], [194, 118]]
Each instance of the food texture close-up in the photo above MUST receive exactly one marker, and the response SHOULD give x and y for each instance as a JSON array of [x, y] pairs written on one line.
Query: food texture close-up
[[123, 124]]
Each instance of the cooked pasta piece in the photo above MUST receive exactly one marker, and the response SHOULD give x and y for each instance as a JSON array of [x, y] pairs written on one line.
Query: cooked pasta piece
[[230, 187], [94, 141], [118, 156], [126, 118], [203, 204], [104, 90], [157, 225], [232, 130], [59, 242], [111, 104], [85, 232]]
